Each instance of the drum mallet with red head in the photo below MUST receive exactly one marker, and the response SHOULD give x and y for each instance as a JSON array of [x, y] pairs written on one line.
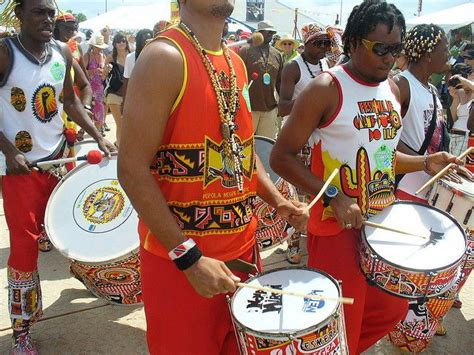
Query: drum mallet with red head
[[254, 77], [92, 157], [256, 40]]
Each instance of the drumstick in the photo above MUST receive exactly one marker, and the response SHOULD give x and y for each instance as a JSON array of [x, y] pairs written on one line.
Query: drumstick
[[381, 226], [446, 168], [92, 157], [344, 300], [323, 189]]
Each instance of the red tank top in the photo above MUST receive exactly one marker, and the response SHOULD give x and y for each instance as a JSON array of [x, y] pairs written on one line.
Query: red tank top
[[189, 166]]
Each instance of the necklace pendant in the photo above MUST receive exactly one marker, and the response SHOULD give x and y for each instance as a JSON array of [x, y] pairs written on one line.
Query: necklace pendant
[[267, 79], [225, 129]]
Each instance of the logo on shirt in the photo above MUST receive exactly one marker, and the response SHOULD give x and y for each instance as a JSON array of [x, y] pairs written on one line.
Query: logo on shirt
[[379, 118], [24, 142], [18, 99], [44, 103]]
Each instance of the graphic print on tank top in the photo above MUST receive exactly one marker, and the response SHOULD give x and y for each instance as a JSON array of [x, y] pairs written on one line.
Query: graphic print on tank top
[[371, 183], [44, 103]]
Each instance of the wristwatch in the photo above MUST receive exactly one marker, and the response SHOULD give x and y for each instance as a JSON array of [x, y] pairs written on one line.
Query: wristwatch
[[330, 193], [88, 107]]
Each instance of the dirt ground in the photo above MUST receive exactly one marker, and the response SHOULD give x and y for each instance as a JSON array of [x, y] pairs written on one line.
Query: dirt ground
[[121, 329]]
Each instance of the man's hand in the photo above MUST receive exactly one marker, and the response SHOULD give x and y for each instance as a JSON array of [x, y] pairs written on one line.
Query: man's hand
[[211, 277], [346, 211], [17, 164], [295, 213], [107, 147], [438, 161]]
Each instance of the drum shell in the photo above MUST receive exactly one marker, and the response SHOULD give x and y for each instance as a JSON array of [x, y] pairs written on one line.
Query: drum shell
[[322, 338], [393, 278]]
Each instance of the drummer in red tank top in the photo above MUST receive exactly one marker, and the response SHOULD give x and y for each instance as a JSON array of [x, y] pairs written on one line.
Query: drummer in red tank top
[[187, 117], [352, 114]]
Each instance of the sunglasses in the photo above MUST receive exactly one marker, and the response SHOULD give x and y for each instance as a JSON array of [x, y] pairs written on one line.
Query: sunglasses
[[321, 43], [381, 49], [286, 43], [121, 41]]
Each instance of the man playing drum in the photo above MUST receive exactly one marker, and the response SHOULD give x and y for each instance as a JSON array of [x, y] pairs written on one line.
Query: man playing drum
[[34, 72], [186, 117], [353, 114]]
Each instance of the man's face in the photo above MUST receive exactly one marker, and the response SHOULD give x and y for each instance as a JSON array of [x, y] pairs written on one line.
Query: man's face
[[318, 46], [37, 18], [216, 8], [267, 36], [373, 66], [66, 30], [439, 57]]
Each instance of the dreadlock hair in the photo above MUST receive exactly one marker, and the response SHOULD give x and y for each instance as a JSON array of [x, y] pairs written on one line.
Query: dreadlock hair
[[422, 39], [141, 38], [366, 16]]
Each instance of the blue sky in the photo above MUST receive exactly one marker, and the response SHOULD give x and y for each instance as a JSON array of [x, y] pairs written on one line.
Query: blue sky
[[409, 7]]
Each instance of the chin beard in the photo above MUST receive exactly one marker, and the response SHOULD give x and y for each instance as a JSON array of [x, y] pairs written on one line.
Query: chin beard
[[222, 11]]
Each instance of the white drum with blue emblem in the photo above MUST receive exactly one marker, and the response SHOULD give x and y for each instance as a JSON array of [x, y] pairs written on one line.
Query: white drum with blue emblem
[[91, 221], [273, 324]]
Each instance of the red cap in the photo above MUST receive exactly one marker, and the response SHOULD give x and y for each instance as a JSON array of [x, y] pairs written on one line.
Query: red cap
[[94, 157], [66, 17]]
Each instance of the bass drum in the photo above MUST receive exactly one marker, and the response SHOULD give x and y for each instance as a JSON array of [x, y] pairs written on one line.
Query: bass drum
[[91, 221], [272, 230]]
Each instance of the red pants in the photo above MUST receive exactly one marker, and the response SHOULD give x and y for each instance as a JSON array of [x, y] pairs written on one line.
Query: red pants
[[24, 202], [179, 321], [374, 312]]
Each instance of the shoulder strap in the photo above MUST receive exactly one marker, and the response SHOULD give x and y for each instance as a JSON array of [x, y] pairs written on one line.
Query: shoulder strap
[[432, 127]]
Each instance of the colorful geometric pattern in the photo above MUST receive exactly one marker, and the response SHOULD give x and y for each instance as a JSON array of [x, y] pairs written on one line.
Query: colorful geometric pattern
[[117, 282], [406, 283], [24, 295]]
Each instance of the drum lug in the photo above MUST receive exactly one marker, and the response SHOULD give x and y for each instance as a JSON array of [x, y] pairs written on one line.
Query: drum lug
[[468, 217], [434, 199], [450, 207]]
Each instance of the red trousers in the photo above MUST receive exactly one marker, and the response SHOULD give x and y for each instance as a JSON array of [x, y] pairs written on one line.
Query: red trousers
[[180, 321], [24, 199], [374, 312]]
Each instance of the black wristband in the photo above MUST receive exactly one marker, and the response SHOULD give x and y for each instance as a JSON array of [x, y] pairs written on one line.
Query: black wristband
[[187, 260]]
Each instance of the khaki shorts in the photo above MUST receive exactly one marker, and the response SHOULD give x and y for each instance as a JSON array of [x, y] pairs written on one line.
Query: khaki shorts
[[113, 99]]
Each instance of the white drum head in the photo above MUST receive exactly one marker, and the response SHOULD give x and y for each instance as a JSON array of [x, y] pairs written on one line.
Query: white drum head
[[83, 147], [263, 312], [89, 218], [465, 188], [414, 253]]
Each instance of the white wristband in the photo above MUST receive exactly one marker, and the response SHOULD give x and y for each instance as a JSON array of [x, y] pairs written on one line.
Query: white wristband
[[181, 249]]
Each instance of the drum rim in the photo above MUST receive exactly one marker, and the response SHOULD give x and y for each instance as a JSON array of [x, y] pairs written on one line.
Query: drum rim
[[444, 183], [46, 218], [266, 139], [399, 202], [288, 336]]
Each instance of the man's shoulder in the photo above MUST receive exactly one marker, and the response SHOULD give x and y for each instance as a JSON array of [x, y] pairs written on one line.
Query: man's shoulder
[[5, 57]]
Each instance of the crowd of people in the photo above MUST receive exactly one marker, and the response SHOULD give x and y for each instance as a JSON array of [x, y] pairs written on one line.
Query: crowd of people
[[177, 94]]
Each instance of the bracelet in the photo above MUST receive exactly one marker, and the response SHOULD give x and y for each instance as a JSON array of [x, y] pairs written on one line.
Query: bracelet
[[187, 260], [181, 249]]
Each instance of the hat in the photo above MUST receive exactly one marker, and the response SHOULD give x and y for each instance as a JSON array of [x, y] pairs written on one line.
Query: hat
[[66, 17], [245, 35], [265, 26], [286, 38], [98, 41], [311, 31]]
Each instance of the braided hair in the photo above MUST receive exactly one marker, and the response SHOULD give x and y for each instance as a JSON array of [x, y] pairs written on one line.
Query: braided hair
[[366, 16], [422, 39]]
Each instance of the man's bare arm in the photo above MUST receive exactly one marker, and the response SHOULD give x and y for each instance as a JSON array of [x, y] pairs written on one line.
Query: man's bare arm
[[289, 78]]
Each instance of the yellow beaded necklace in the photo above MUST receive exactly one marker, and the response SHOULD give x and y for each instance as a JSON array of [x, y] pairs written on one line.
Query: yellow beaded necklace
[[232, 148]]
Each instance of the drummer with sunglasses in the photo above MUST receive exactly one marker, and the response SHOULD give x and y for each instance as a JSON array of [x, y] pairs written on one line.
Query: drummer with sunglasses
[[352, 116]]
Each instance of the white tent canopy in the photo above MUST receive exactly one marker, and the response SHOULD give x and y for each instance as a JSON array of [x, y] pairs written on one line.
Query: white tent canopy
[[129, 17], [448, 19]]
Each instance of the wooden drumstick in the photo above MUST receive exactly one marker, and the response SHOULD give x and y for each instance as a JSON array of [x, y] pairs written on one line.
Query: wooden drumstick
[[323, 189], [381, 226], [344, 300], [442, 172]]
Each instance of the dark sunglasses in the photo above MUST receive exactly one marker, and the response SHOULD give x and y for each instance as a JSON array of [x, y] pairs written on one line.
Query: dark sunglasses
[[381, 49], [321, 43], [120, 41]]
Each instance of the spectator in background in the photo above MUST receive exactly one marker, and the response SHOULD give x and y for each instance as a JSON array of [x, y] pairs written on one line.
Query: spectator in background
[[94, 61], [113, 73], [143, 36], [160, 26], [458, 44], [85, 44], [131, 42], [268, 63], [107, 33], [287, 45]]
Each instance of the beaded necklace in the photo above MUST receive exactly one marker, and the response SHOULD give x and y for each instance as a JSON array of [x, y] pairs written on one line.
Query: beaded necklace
[[309, 69], [232, 149]]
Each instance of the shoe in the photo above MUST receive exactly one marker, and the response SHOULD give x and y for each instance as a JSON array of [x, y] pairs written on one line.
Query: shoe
[[106, 128], [457, 303], [441, 330], [44, 244], [293, 255], [23, 345]]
